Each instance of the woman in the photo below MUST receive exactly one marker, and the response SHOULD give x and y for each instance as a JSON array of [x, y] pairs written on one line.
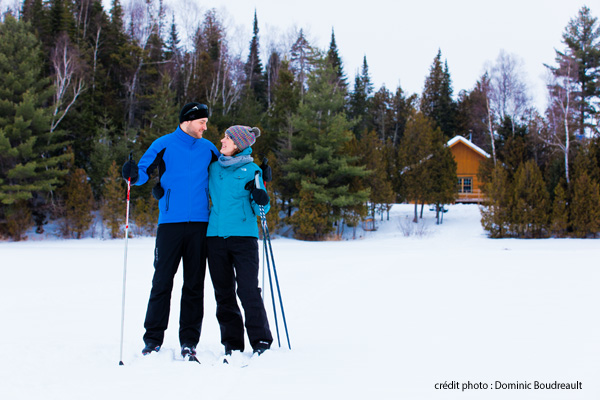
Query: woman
[[232, 240]]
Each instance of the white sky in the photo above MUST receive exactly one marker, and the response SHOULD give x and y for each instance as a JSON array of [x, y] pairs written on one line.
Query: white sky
[[401, 38]]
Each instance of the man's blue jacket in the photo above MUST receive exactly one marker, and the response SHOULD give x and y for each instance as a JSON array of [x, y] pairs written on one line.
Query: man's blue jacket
[[183, 163]]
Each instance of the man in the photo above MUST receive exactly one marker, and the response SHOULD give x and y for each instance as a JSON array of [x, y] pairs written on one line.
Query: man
[[182, 158]]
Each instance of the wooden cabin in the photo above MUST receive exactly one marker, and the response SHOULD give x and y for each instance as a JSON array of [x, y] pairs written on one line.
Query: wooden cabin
[[468, 156]]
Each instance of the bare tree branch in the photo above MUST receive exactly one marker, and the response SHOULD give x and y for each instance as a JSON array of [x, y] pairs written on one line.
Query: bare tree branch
[[68, 79], [561, 90]]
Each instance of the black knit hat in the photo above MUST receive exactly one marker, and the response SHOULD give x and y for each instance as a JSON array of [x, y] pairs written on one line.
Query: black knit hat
[[192, 111]]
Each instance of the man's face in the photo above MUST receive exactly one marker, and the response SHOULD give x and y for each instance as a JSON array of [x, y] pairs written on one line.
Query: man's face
[[196, 127]]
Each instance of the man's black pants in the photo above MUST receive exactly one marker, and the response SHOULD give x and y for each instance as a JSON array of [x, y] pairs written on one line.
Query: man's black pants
[[175, 242]]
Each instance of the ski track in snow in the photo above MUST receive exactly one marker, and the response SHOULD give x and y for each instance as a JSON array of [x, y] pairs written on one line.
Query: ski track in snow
[[384, 316]]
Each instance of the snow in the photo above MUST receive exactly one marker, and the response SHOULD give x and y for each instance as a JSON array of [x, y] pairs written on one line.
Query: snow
[[386, 316]]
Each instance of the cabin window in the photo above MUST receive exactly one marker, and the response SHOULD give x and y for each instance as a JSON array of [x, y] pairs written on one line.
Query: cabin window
[[465, 185]]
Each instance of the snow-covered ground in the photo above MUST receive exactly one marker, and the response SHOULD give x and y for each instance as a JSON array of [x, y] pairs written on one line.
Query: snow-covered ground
[[386, 316]]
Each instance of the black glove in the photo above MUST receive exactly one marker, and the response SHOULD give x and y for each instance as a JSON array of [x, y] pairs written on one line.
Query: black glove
[[266, 170], [260, 196], [157, 191], [130, 170]]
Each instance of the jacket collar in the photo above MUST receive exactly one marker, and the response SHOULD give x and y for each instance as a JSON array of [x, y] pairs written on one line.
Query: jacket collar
[[241, 158], [179, 133], [246, 152]]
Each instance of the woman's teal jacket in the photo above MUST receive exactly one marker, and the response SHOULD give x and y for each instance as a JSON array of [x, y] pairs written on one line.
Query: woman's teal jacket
[[233, 212]]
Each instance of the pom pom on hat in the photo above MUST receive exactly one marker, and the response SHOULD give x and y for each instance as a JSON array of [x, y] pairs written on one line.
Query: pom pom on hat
[[243, 136]]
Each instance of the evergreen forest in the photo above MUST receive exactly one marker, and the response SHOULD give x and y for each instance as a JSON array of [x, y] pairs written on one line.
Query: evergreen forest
[[82, 87]]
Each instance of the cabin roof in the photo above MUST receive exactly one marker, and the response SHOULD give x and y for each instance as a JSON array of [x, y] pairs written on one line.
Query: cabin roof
[[468, 143]]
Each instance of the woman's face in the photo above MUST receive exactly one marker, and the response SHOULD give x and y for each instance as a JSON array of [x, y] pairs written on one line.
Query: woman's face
[[228, 148]]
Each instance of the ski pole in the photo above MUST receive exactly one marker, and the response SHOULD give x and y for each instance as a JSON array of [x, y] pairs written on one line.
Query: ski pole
[[267, 239], [270, 281], [263, 227], [262, 292], [267, 177], [125, 266]]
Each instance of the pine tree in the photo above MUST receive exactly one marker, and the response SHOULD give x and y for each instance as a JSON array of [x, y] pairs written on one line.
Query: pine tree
[[49, 19], [87, 16], [257, 86], [139, 61], [582, 38], [61, 19], [414, 152], [514, 151], [587, 159], [162, 115], [311, 221], [116, 13], [173, 49], [333, 58], [286, 95], [146, 215], [382, 114], [113, 205], [87, 91], [273, 217], [207, 54], [359, 103], [18, 220], [91, 89], [530, 202], [215, 77], [560, 210], [33, 12], [371, 152], [318, 162], [403, 107], [441, 175], [436, 100], [31, 156], [594, 154], [473, 116], [112, 57], [79, 203], [106, 147], [585, 206], [495, 213]]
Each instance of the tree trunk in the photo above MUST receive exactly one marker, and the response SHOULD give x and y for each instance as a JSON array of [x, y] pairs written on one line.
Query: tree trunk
[[491, 130], [416, 219]]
